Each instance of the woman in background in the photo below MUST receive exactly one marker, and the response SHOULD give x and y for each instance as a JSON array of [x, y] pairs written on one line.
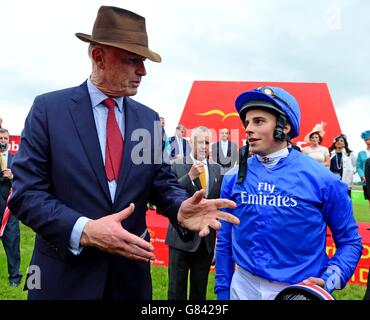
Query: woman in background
[[361, 159], [342, 161], [363, 169], [315, 150]]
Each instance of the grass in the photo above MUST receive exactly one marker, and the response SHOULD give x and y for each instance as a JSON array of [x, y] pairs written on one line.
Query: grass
[[10, 293], [159, 274], [160, 281], [360, 205]]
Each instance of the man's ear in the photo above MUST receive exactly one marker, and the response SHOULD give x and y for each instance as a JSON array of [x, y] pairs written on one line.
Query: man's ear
[[287, 128], [97, 54]]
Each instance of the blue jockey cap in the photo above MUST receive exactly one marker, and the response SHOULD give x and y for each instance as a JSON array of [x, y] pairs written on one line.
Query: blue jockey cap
[[273, 98]]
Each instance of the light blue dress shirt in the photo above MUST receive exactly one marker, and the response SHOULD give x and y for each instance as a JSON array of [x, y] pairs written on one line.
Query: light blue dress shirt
[[100, 112]]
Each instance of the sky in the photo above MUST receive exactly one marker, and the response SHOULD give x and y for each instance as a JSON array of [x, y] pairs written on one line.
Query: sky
[[234, 40]]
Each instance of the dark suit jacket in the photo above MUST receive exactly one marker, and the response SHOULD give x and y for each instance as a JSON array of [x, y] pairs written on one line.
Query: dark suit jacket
[[231, 158], [181, 169], [59, 177], [186, 148], [5, 185]]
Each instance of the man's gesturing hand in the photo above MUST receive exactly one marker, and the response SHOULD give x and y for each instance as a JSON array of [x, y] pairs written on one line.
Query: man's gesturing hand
[[200, 214], [107, 234]]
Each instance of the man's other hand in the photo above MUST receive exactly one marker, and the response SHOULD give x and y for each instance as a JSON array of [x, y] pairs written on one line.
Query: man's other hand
[[199, 214], [107, 234]]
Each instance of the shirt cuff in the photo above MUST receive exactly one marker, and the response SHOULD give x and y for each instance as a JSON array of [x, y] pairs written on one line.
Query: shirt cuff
[[332, 279], [223, 295], [74, 241]]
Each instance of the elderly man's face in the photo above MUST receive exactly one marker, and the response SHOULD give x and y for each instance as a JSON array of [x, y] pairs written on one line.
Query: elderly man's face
[[118, 72], [200, 146], [4, 140]]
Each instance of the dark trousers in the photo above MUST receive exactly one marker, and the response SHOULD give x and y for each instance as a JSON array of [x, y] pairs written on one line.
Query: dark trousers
[[129, 280], [180, 264], [11, 243]]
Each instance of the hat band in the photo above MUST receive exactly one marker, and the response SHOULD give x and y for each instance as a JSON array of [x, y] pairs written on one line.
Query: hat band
[[108, 35], [261, 104]]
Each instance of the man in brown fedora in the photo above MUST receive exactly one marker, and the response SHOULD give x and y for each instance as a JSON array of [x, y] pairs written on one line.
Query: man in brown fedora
[[80, 183]]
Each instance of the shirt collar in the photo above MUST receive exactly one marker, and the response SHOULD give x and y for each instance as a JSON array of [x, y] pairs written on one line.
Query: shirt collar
[[97, 96], [272, 159], [204, 161]]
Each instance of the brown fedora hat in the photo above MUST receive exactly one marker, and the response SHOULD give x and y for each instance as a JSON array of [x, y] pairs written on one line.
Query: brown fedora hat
[[122, 29]]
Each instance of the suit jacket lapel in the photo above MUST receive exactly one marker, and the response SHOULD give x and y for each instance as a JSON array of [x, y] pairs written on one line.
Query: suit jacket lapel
[[197, 183], [10, 159], [188, 162], [176, 147], [228, 149], [131, 123], [83, 118], [184, 146], [211, 177], [185, 168]]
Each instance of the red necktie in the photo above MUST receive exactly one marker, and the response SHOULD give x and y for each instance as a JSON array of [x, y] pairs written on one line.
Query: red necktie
[[114, 145]]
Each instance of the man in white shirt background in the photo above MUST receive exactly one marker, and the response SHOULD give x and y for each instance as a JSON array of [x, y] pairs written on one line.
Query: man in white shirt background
[[225, 152], [180, 147]]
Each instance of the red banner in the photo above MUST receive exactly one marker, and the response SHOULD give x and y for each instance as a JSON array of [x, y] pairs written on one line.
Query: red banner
[[157, 227], [14, 144], [362, 271], [211, 104]]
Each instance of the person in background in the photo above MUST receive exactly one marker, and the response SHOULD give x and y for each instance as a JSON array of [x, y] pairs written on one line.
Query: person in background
[[367, 177], [367, 190], [163, 122], [361, 159], [179, 146], [165, 142], [285, 202], [343, 161], [315, 150], [11, 235], [225, 152], [194, 257], [83, 177]]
